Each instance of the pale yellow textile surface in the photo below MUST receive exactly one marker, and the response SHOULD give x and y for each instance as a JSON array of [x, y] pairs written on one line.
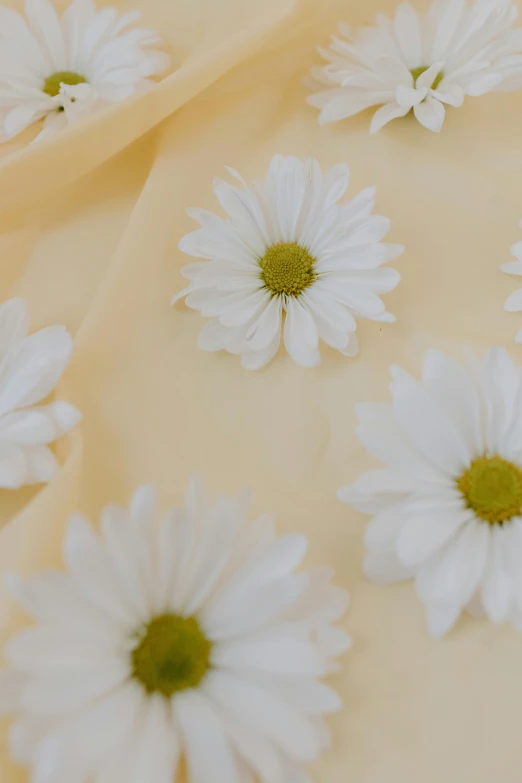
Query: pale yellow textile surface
[[89, 226]]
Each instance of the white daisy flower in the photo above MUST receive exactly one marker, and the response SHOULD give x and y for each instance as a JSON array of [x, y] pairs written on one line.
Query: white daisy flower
[[193, 640], [514, 301], [419, 63], [57, 70], [288, 247], [448, 506], [30, 368]]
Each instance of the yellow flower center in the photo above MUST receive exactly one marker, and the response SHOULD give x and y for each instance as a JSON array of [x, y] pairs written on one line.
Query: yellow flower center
[[53, 83], [492, 487], [173, 654], [416, 72], [287, 269]]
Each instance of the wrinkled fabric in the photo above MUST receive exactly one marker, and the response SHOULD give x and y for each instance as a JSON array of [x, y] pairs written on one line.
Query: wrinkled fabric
[[90, 221]]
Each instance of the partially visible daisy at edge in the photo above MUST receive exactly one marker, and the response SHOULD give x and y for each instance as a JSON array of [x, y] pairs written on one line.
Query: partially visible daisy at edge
[[447, 507], [513, 303], [194, 641], [30, 367], [288, 252], [419, 63], [57, 70]]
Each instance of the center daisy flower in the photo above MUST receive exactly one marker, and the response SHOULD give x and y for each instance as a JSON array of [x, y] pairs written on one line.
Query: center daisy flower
[[448, 508], [419, 63], [288, 248], [287, 269], [56, 69], [172, 654], [196, 640]]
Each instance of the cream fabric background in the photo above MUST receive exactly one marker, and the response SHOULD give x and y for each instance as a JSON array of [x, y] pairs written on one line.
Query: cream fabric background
[[89, 226]]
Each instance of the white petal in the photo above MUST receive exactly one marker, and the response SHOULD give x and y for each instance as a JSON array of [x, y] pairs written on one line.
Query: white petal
[[278, 650], [385, 568], [36, 367], [260, 753], [13, 467], [106, 723], [387, 113], [453, 390], [445, 17], [27, 427], [158, 749], [46, 27], [243, 208], [383, 531], [311, 696], [54, 648], [408, 31], [58, 694], [484, 84], [497, 593], [513, 303], [430, 113], [453, 576], [23, 115], [427, 78], [209, 756], [381, 434], [278, 559], [377, 489], [451, 94], [300, 334], [352, 349], [52, 596], [41, 464], [129, 558], [501, 383], [267, 326], [250, 608], [333, 641], [53, 123], [214, 552], [423, 536], [143, 507], [441, 618], [408, 97], [263, 712], [255, 360], [94, 573], [427, 426]]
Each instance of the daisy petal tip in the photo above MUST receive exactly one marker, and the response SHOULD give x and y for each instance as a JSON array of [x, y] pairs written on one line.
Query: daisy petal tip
[[395, 251], [67, 416], [77, 531], [344, 494], [441, 619], [144, 496], [348, 646], [179, 296]]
